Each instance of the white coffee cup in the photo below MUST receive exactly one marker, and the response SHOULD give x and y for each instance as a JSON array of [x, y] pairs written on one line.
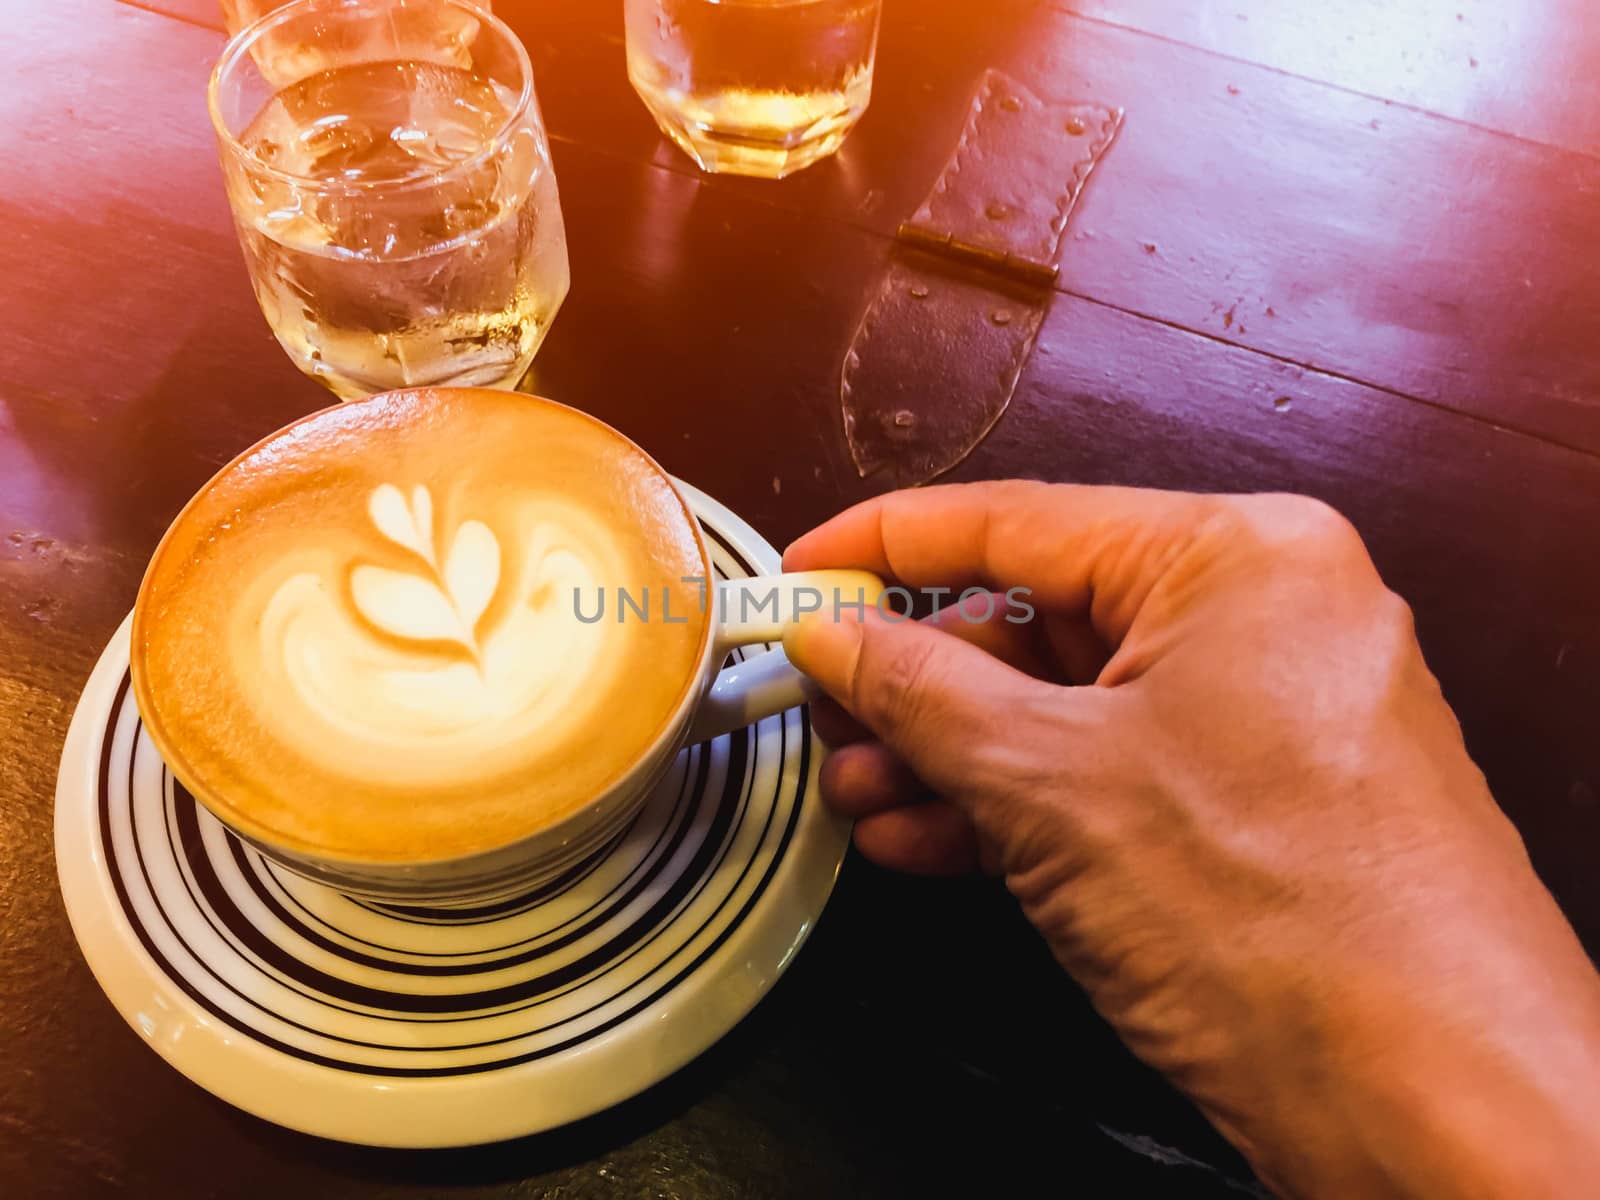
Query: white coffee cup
[[716, 699]]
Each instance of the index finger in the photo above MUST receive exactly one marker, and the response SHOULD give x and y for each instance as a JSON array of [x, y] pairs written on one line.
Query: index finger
[[1074, 547]]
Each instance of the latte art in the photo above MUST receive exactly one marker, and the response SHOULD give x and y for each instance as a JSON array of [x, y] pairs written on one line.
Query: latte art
[[409, 667], [449, 604], [372, 650]]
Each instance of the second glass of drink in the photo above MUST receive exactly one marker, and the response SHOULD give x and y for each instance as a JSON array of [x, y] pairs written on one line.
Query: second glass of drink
[[753, 87], [390, 179]]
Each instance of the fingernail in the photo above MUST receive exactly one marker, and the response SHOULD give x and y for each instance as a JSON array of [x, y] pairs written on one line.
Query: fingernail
[[824, 646], [790, 548]]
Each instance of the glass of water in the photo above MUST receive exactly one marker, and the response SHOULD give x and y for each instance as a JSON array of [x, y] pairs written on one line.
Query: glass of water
[[236, 14], [390, 180], [276, 53], [753, 87]]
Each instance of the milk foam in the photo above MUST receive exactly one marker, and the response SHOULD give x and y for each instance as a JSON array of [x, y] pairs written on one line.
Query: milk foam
[[406, 673], [363, 636]]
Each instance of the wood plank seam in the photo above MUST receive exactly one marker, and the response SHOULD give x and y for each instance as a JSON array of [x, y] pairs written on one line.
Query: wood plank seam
[[1328, 373]]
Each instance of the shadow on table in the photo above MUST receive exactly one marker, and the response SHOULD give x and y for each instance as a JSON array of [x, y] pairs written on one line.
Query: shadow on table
[[924, 1044]]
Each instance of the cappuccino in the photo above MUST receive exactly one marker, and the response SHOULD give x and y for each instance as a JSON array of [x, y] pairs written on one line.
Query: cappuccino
[[361, 639]]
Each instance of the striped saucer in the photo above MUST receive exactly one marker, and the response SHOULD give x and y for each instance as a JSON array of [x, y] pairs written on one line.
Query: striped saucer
[[413, 1027]]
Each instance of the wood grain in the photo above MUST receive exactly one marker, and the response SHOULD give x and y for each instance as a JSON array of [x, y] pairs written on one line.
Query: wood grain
[[1523, 69], [1334, 230], [205, 13], [1371, 241]]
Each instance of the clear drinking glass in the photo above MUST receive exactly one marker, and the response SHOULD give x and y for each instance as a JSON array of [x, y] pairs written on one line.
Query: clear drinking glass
[[753, 87], [276, 53], [390, 179], [236, 14]]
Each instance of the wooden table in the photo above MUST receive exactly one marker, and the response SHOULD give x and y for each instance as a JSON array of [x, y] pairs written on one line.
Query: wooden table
[[1344, 247]]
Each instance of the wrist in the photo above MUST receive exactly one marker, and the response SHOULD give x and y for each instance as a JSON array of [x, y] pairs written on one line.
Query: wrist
[[1425, 1096]]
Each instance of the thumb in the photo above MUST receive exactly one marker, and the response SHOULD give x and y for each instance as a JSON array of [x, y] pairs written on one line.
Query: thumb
[[955, 714]]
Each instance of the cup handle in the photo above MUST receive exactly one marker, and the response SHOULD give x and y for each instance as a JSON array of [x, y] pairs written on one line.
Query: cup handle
[[751, 611]]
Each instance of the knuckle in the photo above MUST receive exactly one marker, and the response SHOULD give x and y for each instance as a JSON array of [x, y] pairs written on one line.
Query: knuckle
[[1393, 637], [1286, 521], [894, 676], [1315, 521], [1396, 616], [1319, 520]]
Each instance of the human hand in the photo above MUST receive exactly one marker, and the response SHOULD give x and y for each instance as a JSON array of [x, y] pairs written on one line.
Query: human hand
[[1222, 783]]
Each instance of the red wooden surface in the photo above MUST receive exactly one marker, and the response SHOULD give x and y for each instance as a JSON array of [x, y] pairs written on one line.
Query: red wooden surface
[[1524, 69], [1429, 366], [1330, 229]]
